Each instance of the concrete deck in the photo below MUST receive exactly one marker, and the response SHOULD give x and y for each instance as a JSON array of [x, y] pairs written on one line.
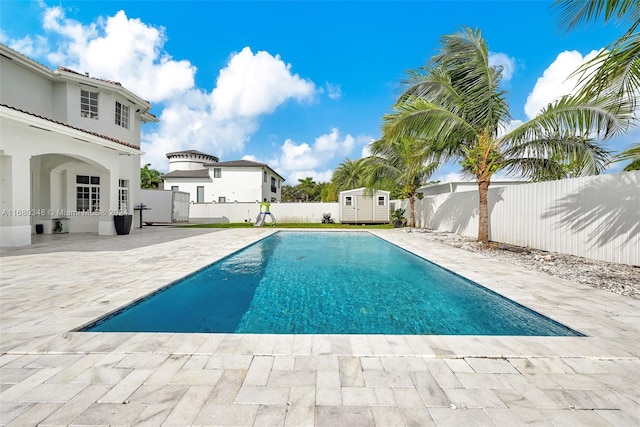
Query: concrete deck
[[50, 376]]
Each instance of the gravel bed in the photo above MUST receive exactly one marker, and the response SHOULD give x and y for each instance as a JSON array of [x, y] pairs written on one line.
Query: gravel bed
[[621, 279]]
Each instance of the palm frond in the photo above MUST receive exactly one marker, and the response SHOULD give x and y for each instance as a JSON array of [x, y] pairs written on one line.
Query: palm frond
[[572, 13], [632, 154], [579, 156], [613, 72], [604, 117]]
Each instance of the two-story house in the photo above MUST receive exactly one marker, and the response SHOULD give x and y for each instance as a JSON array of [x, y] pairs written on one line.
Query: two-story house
[[209, 180], [69, 150]]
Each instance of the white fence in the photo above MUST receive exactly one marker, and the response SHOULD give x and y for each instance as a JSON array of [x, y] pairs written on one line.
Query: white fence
[[247, 212], [594, 217]]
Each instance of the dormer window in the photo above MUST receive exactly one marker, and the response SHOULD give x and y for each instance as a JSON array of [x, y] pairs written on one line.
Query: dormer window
[[89, 104], [122, 115]]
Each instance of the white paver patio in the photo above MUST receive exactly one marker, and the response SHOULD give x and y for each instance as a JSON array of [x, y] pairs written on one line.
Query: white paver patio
[[52, 376]]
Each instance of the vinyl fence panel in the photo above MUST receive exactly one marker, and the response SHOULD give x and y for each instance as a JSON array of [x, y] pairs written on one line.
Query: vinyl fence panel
[[595, 217]]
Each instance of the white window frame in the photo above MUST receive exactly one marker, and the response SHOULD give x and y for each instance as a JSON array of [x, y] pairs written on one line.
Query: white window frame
[[88, 194], [122, 115], [89, 104], [222, 199], [123, 195], [348, 200], [264, 176], [175, 188], [200, 194], [217, 172], [382, 201]]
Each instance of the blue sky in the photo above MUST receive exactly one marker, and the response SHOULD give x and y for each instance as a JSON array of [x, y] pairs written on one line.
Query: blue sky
[[297, 85]]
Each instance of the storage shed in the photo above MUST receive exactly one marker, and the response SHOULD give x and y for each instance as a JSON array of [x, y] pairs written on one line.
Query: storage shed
[[356, 207]]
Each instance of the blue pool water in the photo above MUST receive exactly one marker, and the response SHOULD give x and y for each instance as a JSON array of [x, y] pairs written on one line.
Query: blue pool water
[[328, 283]]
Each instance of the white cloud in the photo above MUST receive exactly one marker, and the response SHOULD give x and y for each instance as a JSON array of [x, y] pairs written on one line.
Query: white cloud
[[513, 124], [330, 143], [318, 176], [254, 84], [508, 64], [296, 157], [555, 81], [300, 160], [334, 91], [189, 123], [132, 52], [366, 150], [221, 122], [119, 48], [32, 47]]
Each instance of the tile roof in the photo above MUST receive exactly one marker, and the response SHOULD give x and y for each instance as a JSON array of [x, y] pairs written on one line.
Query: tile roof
[[117, 141], [69, 70], [199, 153], [238, 163], [196, 173]]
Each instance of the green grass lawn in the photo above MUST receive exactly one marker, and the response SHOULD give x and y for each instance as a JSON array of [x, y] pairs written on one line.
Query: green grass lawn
[[289, 225]]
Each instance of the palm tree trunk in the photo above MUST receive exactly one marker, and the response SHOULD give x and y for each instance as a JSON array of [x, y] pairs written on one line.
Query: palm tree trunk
[[483, 219], [412, 212]]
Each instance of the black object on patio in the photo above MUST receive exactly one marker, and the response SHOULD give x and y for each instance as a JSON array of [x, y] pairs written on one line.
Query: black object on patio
[[122, 223]]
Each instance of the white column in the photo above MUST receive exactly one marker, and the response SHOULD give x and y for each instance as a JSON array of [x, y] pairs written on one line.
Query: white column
[[108, 202], [15, 200]]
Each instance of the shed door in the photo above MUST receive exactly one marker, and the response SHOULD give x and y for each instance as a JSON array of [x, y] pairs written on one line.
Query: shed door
[[364, 208]]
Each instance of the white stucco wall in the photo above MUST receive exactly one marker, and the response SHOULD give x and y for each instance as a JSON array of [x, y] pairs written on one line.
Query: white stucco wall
[[60, 100], [25, 90], [39, 171], [243, 212], [236, 184], [40, 158], [105, 124]]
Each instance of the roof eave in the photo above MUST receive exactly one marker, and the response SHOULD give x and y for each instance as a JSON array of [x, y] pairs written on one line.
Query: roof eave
[[145, 106], [81, 135]]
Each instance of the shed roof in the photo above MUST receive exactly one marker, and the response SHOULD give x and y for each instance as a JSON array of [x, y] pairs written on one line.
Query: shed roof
[[362, 190]]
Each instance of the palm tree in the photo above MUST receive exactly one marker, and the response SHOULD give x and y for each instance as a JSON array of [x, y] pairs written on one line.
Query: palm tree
[[617, 69], [308, 188], [455, 106], [328, 192], [349, 174], [404, 161], [632, 154], [150, 178]]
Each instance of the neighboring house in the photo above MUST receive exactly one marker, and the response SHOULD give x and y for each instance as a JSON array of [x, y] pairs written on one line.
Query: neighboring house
[[359, 207], [209, 180], [69, 150]]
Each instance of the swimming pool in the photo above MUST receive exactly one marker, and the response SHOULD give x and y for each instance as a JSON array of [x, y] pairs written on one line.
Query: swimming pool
[[328, 283]]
